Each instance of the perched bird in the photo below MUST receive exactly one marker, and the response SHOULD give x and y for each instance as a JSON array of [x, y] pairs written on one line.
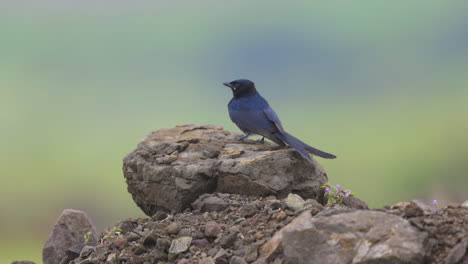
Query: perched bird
[[252, 114]]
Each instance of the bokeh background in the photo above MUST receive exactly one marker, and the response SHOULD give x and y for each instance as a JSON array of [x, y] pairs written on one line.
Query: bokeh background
[[381, 84]]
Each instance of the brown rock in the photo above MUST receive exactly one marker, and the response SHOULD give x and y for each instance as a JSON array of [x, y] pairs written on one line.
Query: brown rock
[[355, 237], [205, 159], [212, 229], [173, 229], [68, 233], [281, 216]]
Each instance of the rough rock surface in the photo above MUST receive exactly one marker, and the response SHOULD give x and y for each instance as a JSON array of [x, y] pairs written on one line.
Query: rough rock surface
[[356, 237], [225, 236], [170, 168], [274, 233], [67, 237]]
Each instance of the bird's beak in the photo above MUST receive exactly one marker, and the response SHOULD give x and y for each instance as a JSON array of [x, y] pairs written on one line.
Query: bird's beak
[[228, 84]]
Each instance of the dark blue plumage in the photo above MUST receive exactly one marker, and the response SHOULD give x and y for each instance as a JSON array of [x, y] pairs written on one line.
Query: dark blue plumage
[[252, 114]]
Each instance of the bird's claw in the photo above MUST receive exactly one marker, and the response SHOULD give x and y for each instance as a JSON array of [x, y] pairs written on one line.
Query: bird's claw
[[261, 140]]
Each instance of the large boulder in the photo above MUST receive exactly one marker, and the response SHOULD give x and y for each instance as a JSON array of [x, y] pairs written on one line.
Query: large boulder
[[67, 238], [170, 168], [354, 237]]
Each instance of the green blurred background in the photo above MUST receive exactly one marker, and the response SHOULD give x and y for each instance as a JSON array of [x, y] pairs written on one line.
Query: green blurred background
[[381, 84]]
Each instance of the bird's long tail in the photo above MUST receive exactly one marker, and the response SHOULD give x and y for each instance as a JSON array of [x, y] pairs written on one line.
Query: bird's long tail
[[302, 147]]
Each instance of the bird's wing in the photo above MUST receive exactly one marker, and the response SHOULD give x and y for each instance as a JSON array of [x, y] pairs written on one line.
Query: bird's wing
[[273, 117]]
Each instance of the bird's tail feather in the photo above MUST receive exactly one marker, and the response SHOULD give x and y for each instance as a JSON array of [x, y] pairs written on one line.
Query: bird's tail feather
[[302, 147]]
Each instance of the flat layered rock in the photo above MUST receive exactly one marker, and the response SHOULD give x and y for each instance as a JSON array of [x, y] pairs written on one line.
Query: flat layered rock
[[171, 168]]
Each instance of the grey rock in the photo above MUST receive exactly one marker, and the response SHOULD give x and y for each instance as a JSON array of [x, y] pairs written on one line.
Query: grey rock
[[86, 251], [464, 204], [206, 159], [249, 210], [457, 253], [251, 253], [163, 244], [150, 239], [294, 201], [157, 255], [354, 202], [179, 245], [206, 260], [133, 237], [237, 260], [212, 229], [67, 235], [173, 228], [201, 243], [425, 206], [228, 240], [356, 237], [207, 203]]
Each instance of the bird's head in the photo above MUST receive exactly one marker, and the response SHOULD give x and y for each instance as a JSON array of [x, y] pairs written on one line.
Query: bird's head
[[241, 87]]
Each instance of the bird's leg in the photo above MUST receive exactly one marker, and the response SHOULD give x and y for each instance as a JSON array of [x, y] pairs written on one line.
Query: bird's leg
[[262, 140], [241, 138]]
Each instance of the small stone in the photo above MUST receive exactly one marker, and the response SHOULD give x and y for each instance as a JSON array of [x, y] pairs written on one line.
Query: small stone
[[354, 202], [133, 237], [251, 253], [183, 261], [212, 252], [163, 244], [121, 243], [157, 254], [179, 245], [112, 257], [198, 234], [139, 250], [173, 228], [238, 220], [465, 204], [150, 239], [412, 210], [426, 207], [201, 243], [237, 260], [127, 226], [158, 216], [185, 232], [457, 253], [259, 235], [210, 204], [68, 232], [206, 260], [294, 201], [281, 216], [249, 210], [221, 256], [86, 251], [228, 240], [212, 229]]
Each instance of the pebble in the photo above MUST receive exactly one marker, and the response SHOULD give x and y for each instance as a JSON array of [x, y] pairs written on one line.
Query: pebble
[[212, 229], [173, 229]]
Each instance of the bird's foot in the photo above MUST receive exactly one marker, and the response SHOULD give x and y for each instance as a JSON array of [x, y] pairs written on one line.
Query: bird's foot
[[262, 140]]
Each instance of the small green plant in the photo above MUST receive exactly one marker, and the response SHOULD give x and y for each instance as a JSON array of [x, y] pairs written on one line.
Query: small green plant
[[87, 236], [113, 233], [335, 194]]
